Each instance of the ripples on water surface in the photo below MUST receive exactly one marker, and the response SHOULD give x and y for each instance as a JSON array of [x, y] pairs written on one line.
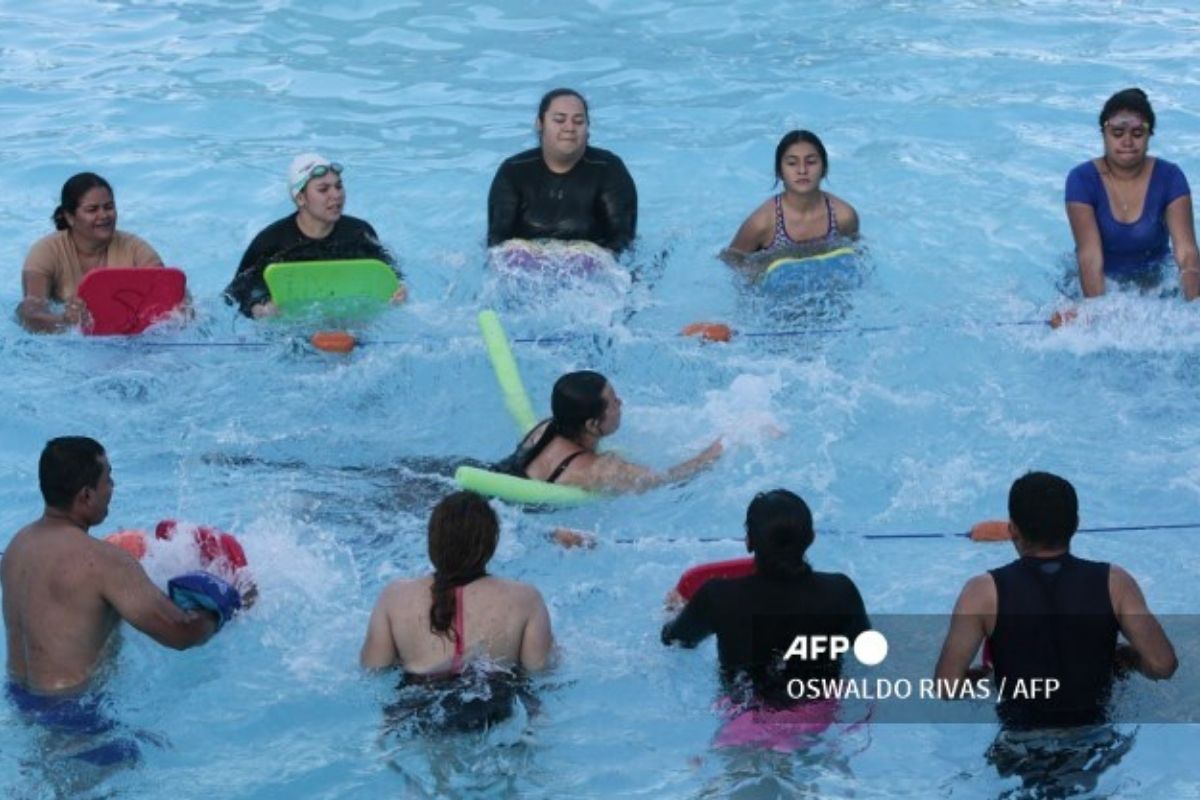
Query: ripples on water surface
[[909, 405]]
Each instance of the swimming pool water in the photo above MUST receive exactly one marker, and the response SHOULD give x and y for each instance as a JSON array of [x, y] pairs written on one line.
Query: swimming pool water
[[909, 405]]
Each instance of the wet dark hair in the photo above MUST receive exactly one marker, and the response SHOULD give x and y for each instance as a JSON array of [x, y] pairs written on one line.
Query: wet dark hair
[[789, 139], [577, 397], [1044, 508], [1132, 99], [68, 465], [463, 532], [72, 194], [779, 531], [552, 95]]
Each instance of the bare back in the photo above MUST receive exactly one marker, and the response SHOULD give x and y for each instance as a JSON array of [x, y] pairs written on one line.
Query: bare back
[[503, 621], [65, 592]]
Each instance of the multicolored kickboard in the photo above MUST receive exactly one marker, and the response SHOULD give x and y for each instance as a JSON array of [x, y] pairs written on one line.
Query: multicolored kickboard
[[124, 301], [297, 283], [579, 258], [835, 269]]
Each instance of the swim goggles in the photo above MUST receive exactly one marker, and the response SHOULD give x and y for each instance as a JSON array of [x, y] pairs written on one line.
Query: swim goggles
[[315, 171]]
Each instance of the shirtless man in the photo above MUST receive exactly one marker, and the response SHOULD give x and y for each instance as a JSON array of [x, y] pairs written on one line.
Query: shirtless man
[[65, 592]]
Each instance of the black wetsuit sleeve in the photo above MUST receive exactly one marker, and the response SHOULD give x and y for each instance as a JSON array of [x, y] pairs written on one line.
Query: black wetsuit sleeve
[[376, 249], [618, 204], [503, 204], [248, 287], [855, 611], [694, 624]]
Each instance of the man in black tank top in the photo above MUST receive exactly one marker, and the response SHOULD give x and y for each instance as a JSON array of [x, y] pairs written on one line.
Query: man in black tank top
[[1050, 615]]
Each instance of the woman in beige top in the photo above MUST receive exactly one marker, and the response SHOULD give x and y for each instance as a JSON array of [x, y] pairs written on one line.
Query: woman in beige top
[[87, 238]]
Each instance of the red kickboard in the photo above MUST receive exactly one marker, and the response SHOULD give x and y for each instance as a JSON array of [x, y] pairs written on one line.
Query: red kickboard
[[691, 580], [126, 300]]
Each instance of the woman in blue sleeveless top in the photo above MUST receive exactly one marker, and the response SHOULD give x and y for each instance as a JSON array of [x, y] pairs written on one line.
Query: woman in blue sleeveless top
[[1124, 205]]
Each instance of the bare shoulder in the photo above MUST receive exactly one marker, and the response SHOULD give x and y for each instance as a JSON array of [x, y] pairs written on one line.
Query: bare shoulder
[[524, 593], [404, 589], [1121, 584], [840, 205], [846, 215], [978, 595], [763, 214]]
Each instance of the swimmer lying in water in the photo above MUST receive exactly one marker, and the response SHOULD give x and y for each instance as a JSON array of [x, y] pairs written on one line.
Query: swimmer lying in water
[[562, 449]]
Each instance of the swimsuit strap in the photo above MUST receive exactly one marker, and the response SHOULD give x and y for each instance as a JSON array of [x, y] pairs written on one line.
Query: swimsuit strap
[[783, 238], [832, 233], [459, 631], [562, 466], [781, 234]]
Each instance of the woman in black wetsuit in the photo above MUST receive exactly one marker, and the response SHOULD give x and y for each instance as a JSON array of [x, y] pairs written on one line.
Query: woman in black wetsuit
[[564, 188], [757, 617], [318, 231], [562, 449]]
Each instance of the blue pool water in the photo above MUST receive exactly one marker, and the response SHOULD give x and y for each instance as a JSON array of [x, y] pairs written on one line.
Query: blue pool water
[[908, 405]]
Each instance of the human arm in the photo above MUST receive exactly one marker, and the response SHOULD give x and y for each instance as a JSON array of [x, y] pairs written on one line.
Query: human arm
[[610, 472], [1182, 228], [374, 248], [1082, 195], [692, 625], [847, 217], [618, 204], [379, 648], [537, 638], [974, 613], [1089, 253], [248, 289], [143, 254], [503, 206], [34, 311], [125, 586], [756, 232], [1155, 656]]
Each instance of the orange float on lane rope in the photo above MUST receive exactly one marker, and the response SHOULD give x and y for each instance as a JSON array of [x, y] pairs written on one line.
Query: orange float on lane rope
[[132, 542], [709, 331], [992, 530], [334, 341]]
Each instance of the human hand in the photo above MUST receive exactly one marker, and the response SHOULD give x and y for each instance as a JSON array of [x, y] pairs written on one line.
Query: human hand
[[266, 309], [568, 539], [400, 295], [75, 312], [1125, 660], [200, 590], [248, 589], [674, 601]]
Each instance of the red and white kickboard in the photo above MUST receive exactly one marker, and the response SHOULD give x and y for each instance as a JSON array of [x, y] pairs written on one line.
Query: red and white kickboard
[[124, 301], [215, 551]]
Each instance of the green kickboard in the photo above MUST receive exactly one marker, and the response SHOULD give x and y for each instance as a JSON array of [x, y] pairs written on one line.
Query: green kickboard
[[297, 282], [520, 490]]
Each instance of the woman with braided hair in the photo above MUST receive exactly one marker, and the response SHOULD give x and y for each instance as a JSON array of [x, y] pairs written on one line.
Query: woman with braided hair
[[460, 626]]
